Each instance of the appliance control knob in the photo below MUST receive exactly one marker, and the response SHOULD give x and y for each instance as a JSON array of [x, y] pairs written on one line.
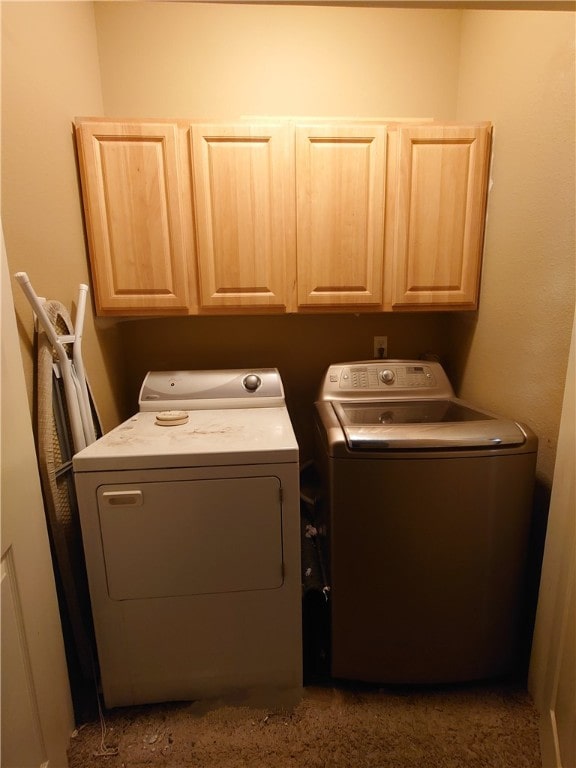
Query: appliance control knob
[[252, 382], [387, 376]]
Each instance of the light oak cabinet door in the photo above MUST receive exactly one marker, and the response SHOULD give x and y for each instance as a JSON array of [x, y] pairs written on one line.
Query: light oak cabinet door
[[134, 187], [438, 217], [243, 178], [340, 185]]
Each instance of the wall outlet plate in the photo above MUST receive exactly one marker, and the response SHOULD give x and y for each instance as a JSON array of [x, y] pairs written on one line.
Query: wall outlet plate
[[380, 347]]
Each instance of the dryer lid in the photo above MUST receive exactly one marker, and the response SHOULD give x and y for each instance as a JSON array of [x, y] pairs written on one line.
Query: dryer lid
[[210, 438]]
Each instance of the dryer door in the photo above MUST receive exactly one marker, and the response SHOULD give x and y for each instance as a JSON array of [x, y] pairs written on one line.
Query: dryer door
[[190, 537]]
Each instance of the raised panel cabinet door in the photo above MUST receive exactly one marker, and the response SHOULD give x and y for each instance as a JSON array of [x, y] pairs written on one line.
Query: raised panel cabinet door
[[133, 185], [439, 214], [243, 179], [340, 188]]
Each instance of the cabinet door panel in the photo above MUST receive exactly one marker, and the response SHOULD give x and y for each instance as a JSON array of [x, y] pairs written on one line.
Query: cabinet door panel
[[440, 205], [244, 202], [340, 213], [133, 198]]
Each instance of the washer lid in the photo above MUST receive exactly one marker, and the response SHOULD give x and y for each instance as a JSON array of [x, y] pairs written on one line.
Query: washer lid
[[424, 424], [217, 389]]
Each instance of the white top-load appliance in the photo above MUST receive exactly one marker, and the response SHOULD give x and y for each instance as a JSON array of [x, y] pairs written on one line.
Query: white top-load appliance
[[190, 523], [427, 505]]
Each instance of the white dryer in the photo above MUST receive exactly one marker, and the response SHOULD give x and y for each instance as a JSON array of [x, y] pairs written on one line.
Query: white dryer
[[190, 522]]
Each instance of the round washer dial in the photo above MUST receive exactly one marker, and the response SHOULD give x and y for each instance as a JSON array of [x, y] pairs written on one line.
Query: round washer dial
[[387, 376]]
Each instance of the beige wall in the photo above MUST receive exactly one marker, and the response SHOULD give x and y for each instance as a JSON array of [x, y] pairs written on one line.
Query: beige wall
[[49, 73], [519, 69], [181, 59]]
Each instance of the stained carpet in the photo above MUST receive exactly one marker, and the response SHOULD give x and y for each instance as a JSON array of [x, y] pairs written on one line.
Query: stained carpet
[[471, 726]]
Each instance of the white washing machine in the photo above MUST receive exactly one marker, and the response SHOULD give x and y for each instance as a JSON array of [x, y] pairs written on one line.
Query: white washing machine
[[427, 505], [191, 529]]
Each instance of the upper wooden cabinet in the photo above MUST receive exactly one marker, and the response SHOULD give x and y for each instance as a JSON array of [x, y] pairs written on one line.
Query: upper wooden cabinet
[[283, 216], [244, 206], [137, 216], [340, 183], [438, 214]]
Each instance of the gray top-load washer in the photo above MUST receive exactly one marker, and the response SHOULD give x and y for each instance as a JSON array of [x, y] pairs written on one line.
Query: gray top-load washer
[[427, 506]]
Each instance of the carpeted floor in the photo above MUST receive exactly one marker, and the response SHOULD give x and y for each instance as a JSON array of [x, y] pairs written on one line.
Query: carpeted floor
[[471, 726]]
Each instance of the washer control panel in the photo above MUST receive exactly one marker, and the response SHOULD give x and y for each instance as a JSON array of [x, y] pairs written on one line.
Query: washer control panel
[[386, 378], [373, 376]]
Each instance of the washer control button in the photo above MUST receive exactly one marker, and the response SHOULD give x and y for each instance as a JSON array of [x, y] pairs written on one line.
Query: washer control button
[[387, 376], [252, 382]]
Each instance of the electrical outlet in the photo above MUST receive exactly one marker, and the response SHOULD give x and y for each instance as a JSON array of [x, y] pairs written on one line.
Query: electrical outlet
[[380, 347]]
